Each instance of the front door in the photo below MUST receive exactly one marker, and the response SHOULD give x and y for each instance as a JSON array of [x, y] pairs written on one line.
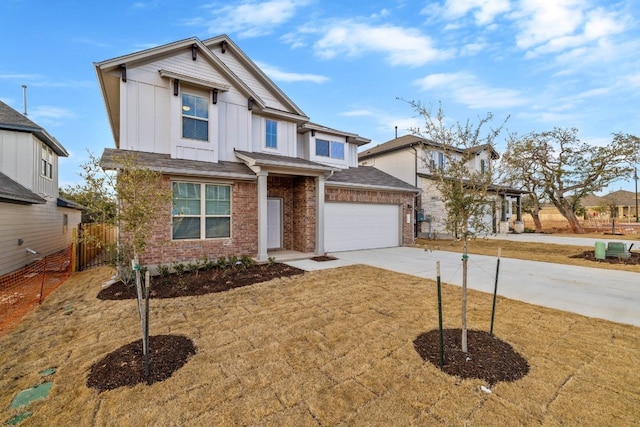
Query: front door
[[274, 223]]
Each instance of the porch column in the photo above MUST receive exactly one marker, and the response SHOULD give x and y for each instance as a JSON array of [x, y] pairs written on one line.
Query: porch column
[[262, 216], [320, 215], [519, 212]]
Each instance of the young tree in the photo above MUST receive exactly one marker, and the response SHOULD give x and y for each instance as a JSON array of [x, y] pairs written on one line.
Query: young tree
[[463, 188], [568, 169], [141, 196]]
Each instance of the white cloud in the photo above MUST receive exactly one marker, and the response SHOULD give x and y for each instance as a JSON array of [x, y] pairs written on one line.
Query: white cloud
[[466, 89], [484, 11], [358, 113], [402, 46], [278, 75], [250, 18]]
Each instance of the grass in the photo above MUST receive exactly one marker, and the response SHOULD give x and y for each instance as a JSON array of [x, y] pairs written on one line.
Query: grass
[[545, 252], [331, 347]]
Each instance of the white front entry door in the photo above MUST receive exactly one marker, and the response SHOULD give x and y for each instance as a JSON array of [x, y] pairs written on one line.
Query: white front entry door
[[274, 223]]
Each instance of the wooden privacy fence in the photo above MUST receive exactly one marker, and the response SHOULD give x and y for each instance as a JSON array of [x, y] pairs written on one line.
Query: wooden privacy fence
[[94, 245]]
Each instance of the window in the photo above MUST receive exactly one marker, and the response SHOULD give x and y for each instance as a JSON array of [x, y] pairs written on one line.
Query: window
[[195, 117], [272, 134], [440, 160], [332, 149], [46, 168], [432, 160], [65, 223], [483, 166], [201, 211]]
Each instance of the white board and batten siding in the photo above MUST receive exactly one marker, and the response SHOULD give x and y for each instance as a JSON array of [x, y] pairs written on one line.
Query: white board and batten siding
[[353, 226]]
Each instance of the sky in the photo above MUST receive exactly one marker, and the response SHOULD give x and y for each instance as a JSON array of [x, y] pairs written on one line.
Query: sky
[[350, 65]]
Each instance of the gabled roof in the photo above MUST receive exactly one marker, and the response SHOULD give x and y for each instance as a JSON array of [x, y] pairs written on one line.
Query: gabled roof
[[408, 141], [616, 198], [283, 162], [353, 138], [370, 178], [12, 192], [109, 84], [11, 120]]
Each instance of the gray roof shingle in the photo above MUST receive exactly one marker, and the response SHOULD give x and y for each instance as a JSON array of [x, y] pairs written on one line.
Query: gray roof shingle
[[12, 192], [10, 119], [369, 177]]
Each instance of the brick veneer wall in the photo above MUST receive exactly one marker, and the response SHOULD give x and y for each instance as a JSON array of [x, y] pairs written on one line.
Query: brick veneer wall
[[404, 200], [244, 233]]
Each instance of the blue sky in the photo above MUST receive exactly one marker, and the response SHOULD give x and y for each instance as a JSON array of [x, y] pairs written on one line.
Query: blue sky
[[560, 63]]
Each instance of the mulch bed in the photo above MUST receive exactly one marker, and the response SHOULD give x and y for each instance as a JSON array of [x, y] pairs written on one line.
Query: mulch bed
[[202, 282], [124, 367], [488, 358], [634, 258], [322, 258]]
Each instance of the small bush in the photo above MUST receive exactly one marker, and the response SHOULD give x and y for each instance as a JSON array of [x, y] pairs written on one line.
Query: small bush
[[222, 262], [164, 270], [271, 261], [247, 261], [179, 268], [193, 267]]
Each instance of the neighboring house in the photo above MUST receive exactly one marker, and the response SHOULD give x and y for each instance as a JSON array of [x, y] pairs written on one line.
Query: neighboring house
[[31, 214], [410, 158], [250, 173], [620, 204]]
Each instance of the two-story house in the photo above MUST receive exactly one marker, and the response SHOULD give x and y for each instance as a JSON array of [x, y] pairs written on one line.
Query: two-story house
[[411, 159], [32, 216], [250, 173]]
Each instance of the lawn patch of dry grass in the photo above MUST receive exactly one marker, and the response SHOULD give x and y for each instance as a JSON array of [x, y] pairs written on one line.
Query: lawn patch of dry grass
[[531, 251], [325, 348]]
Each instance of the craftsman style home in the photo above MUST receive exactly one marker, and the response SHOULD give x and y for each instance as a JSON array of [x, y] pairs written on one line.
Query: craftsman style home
[[411, 159], [34, 221], [250, 173]]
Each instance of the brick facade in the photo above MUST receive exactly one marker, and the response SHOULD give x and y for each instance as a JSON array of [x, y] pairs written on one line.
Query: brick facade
[[299, 220]]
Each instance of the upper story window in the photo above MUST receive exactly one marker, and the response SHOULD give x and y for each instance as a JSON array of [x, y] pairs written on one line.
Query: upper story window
[[195, 117], [332, 149], [483, 166], [432, 160], [46, 165], [440, 160], [271, 134], [201, 211]]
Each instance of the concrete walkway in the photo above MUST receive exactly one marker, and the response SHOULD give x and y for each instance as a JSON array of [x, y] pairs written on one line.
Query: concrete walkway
[[593, 292]]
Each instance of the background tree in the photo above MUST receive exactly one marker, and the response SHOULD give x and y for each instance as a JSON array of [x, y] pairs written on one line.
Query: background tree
[[141, 197], [520, 171], [568, 169], [463, 188]]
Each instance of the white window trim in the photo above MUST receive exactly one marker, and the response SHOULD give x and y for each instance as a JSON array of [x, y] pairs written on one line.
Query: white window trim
[[208, 119], [46, 162], [266, 147], [344, 146], [203, 216]]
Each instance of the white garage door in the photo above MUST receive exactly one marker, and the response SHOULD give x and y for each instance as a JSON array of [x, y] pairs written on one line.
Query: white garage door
[[350, 226]]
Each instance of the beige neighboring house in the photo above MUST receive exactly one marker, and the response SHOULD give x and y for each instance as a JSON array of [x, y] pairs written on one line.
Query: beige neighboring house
[[620, 204], [250, 173], [32, 216], [410, 158]]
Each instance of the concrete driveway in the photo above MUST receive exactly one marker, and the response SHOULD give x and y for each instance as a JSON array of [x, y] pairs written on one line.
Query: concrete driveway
[[593, 292]]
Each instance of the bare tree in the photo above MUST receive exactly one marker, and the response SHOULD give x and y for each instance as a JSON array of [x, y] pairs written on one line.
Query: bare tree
[[567, 169], [464, 189]]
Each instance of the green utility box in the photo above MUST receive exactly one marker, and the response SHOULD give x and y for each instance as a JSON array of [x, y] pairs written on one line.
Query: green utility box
[[617, 249], [601, 252]]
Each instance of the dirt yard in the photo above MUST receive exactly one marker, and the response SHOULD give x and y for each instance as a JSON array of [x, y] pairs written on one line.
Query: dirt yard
[[323, 348]]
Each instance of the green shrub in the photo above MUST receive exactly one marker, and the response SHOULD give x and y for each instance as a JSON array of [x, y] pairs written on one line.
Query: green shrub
[[179, 268], [164, 270]]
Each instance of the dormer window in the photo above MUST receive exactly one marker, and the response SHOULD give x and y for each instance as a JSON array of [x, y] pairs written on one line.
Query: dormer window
[[332, 149], [195, 117], [271, 134], [46, 165]]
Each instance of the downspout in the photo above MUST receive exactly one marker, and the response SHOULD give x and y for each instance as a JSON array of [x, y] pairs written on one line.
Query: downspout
[[415, 197]]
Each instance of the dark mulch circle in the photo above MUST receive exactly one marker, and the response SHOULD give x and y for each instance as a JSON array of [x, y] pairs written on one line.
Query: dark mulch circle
[[322, 258], [634, 258], [124, 367], [488, 358], [202, 282]]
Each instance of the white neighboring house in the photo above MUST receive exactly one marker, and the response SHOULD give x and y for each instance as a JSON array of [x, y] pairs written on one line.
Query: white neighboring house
[[410, 158], [32, 217], [250, 173]]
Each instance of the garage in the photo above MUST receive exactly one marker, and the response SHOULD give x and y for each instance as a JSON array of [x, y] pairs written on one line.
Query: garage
[[351, 226]]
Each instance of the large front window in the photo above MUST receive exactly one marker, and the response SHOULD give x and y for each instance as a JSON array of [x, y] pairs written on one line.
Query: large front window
[[332, 149], [272, 134], [195, 117], [201, 211]]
